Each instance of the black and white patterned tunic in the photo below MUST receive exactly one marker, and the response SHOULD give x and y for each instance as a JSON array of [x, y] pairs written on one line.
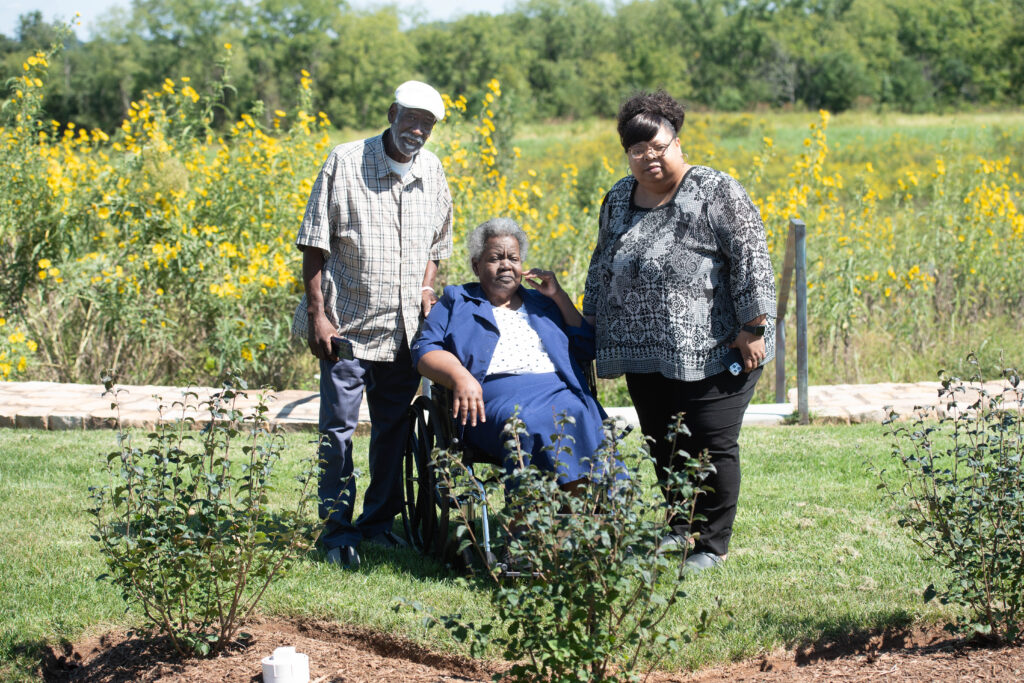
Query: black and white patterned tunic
[[671, 286]]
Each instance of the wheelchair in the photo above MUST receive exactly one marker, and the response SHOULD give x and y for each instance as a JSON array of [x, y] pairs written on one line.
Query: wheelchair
[[430, 508], [428, 503]]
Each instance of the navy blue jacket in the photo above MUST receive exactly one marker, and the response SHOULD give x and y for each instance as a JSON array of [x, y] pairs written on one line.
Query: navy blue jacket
[[462, 323]]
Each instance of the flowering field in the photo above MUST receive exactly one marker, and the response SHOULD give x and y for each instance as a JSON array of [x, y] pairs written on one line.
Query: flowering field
[[914, 225], [165, 250]]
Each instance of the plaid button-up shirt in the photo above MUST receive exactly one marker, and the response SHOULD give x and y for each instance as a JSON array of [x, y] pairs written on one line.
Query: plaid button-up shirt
[[377, 232]]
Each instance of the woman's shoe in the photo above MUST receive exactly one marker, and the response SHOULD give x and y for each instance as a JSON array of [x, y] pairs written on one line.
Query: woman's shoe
[[674, 543], [698, 562]]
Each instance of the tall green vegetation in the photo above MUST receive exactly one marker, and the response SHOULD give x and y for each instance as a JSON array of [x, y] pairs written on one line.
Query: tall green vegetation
[[554, 58]]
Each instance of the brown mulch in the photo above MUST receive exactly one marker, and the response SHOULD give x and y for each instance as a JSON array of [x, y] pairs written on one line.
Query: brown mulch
[[897, 655], [345, 654]]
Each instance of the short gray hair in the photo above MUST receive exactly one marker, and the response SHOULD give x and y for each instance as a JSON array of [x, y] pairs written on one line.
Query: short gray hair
[[495, 227]]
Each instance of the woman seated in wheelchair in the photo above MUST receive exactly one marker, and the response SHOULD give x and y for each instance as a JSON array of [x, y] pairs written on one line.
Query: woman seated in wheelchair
[[500, 347]]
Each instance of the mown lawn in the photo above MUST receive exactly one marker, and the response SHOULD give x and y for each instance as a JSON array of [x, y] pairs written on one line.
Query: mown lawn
[[815, 554]]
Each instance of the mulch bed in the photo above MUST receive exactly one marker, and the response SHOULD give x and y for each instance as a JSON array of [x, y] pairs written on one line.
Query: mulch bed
[[345, 654]]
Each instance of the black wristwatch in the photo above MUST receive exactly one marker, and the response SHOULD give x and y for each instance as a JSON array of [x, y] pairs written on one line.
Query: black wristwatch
[[756, 330]]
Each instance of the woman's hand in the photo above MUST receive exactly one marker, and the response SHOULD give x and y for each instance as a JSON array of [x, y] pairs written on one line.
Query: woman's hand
[[751, 349], [544, 281], [468, 400], [467, 395]]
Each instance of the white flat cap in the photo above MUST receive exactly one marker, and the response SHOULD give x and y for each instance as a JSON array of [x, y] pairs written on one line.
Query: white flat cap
[[419, 95]]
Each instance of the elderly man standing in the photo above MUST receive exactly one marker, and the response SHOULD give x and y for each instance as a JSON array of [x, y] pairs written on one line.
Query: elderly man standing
[[377, 223]]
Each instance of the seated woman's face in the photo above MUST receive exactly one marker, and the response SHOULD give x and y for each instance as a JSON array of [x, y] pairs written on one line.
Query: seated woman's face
[[499, 268]]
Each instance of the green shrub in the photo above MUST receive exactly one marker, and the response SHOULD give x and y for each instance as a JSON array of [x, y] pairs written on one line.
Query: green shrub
[[184, 522], [957, 484], [593, 589]]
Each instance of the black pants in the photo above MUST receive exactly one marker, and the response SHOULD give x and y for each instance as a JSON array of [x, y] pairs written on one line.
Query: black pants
[[713, 411]]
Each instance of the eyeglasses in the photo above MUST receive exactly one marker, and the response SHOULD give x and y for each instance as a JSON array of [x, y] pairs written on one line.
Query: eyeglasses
[[641, 150]]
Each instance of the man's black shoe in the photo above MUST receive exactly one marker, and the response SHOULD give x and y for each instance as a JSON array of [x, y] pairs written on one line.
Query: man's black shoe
[[344, 556]]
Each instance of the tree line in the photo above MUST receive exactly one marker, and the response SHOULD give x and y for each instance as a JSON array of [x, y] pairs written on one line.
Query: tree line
[[554, 58]]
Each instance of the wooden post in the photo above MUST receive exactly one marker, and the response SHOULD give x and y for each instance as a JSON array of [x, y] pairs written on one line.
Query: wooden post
[[797, 226], [794, 262], [780, 317]]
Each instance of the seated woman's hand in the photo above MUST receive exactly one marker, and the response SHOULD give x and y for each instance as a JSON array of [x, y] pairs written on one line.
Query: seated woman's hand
[[468, 400], [544, 281]]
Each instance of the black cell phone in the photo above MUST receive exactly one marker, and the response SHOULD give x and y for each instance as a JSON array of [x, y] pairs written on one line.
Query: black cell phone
[[733, 361], [342, 348]]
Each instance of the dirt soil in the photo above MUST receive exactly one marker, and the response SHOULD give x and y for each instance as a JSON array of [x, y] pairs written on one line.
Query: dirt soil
[[345, 654]]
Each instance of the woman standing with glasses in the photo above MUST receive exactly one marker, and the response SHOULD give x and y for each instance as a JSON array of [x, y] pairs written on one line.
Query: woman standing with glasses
[[680, 277]]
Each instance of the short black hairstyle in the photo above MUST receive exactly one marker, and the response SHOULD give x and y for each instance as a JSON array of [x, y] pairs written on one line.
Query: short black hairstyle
[[643, 114]]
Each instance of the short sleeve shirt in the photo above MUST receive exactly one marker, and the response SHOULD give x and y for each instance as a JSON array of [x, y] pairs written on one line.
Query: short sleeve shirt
[[377, 232], [671, 286]]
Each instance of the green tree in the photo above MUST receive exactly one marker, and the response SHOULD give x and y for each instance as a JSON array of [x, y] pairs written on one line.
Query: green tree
[[33, 33], [371, 56], [834, 80], [554, 58], [1013, 52], [654, 51], [576, 71], [285, 37], [726, 41], [461, 57], [906, 86], [960, 46]]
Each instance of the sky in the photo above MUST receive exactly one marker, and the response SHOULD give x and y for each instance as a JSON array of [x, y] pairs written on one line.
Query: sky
[[10, 10]]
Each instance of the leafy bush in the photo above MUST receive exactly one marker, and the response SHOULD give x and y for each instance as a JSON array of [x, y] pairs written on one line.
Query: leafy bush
[[593, 590], [184, 522], [957, 485]]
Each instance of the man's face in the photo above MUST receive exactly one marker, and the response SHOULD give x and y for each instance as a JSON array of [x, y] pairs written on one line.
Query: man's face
[[410, 128]]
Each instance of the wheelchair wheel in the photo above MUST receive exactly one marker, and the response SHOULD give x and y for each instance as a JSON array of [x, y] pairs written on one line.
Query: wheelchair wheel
[[426, 501]]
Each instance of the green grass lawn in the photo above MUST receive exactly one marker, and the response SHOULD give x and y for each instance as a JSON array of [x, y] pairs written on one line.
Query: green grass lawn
[[814, 554]]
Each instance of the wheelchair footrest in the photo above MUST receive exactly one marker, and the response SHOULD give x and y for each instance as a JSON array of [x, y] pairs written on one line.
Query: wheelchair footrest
[[512, 575], [511, 569], [469, 498]]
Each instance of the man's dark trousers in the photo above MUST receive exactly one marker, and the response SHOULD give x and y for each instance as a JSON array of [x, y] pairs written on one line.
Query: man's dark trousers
[[390, 387]]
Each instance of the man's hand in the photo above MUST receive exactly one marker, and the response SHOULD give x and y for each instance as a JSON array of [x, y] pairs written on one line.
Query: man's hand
[[320, 329], [427, 295], [427, 301], [319, 337]]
